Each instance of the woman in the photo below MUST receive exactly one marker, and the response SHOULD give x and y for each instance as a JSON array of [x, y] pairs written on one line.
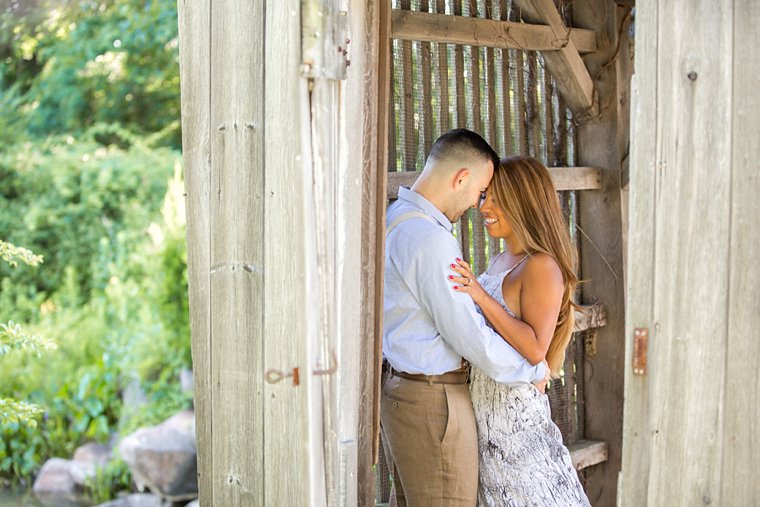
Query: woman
[[526, 295]]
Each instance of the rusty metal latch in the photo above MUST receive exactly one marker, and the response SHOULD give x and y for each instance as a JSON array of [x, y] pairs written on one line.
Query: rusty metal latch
[[640, 344], [274, 375]]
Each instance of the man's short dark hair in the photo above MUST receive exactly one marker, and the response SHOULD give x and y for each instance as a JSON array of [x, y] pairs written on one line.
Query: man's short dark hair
[[456, 141]]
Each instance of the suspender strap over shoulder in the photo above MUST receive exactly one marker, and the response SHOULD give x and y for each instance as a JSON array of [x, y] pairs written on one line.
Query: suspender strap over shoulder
[[403, 217]]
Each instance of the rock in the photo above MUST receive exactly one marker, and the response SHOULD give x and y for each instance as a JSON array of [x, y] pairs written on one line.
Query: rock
[[96, 454], [163, 457], [194, 503], [135, 500], [54, 484], [87, 459]]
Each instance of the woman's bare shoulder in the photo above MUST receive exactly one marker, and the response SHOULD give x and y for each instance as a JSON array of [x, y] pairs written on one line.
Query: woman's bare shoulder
[[542, 268]]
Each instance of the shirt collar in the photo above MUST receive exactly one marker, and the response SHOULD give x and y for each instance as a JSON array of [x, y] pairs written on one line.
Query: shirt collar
[[428, 207]]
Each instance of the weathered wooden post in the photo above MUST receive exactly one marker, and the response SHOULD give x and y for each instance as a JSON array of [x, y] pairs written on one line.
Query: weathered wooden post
[[280, 155], [693, 326]]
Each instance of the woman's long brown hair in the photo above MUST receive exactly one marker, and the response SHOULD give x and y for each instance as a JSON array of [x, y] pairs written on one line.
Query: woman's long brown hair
[[523, 189]]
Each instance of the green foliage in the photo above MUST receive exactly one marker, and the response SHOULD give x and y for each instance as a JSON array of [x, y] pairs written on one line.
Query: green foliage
[[82, 203], [12, 254], [135, 325], [76, 64], [115, 476], [14, 412], [14, 338], [89, 175]]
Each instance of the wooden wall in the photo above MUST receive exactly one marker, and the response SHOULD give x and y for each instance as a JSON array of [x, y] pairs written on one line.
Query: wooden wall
[[691, 421], [280, 157], [603, 142]]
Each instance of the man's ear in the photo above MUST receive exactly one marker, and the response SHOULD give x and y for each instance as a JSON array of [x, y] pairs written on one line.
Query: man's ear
[[460, 177]]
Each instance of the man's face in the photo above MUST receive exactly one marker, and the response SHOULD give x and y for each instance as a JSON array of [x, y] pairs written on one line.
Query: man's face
[[469, 194]]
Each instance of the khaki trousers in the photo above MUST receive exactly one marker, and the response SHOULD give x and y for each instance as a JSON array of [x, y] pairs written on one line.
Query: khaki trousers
[[432, 444]]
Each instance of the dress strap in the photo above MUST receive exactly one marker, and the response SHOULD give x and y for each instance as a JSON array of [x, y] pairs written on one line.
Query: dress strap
[[517, 264]]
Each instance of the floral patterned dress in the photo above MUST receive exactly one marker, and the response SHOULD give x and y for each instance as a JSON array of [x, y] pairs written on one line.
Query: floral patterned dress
[[522, 461]]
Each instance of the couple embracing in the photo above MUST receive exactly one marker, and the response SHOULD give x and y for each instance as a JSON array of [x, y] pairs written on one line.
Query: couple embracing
[[466, 358]]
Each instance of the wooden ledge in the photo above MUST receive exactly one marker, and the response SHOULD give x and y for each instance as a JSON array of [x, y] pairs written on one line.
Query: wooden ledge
[[564, 178], [590, 317], [586, 453]]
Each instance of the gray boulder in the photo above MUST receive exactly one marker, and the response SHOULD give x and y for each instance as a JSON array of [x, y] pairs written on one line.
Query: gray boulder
[[163, 457], [87, 459], [54, 484]]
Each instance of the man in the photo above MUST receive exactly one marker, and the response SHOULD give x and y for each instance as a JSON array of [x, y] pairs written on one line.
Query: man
[[426, 413]]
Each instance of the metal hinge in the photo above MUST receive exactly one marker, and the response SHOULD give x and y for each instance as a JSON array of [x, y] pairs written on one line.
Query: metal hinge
[[324, 40], [640, 345]]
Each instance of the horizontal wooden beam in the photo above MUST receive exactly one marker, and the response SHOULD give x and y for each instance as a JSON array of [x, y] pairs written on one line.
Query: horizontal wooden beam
[[585, 453], [565, 65], [427, 27], [564, 178], [590, 317]]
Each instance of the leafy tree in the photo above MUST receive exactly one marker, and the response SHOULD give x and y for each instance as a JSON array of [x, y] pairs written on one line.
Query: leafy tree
[[72, 64], [13, 337]]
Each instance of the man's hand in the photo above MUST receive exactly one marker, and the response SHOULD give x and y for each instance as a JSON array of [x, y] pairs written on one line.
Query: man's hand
[[541, 384]]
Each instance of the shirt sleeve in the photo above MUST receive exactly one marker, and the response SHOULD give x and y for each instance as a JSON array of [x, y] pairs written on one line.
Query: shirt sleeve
[[454, 313]]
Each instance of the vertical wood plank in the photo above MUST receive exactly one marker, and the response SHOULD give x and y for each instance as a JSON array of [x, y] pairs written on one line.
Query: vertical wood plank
[[428, 122], [507, 57], [409, 134], [195, 66], [393, 128], [476, 116], [599, 217], [237, 306], [532, 114], [550, 132], [291, 465], [638, 432], [521, 128], [693, 139], [459, 89], [741, 448], [378, 105]]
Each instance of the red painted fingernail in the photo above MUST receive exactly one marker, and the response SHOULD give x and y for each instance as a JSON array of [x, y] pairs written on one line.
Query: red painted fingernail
[[459, 260], [453, 265], [451, 277], [456, 288]]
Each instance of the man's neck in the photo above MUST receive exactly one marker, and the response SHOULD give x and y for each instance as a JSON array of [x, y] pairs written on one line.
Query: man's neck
[[431, 193]]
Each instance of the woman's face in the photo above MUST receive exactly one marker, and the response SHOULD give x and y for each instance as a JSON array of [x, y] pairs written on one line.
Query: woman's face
[[494, 218]]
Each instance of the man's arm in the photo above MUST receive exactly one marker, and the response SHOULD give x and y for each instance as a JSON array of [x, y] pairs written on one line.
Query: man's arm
[[455, 315]]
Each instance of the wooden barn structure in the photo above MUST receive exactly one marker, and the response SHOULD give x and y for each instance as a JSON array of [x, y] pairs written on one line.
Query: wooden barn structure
[[300, 120]]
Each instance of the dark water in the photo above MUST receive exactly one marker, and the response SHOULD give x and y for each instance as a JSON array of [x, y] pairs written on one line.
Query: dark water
[[12, 498]]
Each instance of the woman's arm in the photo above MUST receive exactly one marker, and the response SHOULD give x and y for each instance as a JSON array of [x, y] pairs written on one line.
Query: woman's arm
[[540, 299]]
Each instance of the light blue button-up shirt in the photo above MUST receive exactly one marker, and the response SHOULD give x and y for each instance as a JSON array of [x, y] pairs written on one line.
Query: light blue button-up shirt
[[427, 326]]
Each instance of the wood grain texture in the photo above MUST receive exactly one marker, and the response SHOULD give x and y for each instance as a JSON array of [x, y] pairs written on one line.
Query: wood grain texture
[[691, 250], [237, 266], [293, 461], [423, 26], [600, 223], [640, 286], [586, 453], [374, 164], [564, 178], [741, 426], [195, 66], [565, 64]]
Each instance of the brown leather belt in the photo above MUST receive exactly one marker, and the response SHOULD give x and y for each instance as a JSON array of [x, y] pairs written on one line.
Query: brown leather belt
[[451, 377]]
